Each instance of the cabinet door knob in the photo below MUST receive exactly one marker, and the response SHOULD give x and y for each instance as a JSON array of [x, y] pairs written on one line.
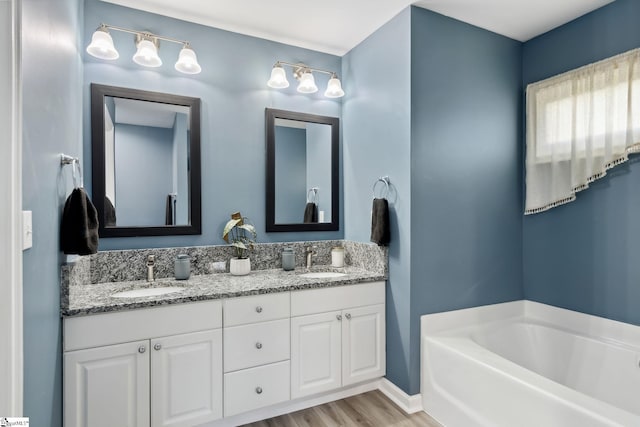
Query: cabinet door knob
[[258, 309], [258, 345], [339, 316], [348, 316], [259, 390], [158, 346], [142, 349]]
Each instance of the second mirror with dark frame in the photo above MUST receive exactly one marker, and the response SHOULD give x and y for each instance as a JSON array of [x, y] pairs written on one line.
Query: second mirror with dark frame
[[302, 171], [146, 162]]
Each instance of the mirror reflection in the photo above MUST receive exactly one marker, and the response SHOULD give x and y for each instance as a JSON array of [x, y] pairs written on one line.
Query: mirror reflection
[[159, 134], [146, 162], [302, 171]]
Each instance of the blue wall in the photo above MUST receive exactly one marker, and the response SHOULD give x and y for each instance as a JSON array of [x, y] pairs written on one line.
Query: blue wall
[[52, 103], [377, 142], [584, 255], [141, 197], [291, 174], [439, 113], [465, 177], [319, 166], [234, 94]]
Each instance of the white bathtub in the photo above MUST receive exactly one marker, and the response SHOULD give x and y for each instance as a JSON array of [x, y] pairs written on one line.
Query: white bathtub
[[524, 364]]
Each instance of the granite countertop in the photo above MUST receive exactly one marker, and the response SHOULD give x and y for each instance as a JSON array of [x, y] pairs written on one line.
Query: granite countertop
[[96, 298]]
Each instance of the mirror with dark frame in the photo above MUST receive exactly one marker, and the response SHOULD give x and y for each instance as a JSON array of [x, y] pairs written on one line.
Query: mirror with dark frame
[[146, 162], [302, 171]]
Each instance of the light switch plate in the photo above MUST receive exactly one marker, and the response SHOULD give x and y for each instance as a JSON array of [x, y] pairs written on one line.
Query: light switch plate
[[27, 230]]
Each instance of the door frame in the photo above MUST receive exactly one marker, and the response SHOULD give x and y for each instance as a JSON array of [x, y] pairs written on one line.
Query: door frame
[[11, 322]]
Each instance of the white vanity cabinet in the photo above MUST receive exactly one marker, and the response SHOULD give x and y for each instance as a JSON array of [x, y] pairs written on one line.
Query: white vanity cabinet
[[166, 372], [337, 337]]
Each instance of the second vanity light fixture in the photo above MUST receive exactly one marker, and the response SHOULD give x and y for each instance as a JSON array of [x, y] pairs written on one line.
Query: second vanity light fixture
[[304, 74], [147, 49]]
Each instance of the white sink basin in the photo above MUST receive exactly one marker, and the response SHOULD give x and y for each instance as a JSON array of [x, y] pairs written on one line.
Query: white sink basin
[[322, 275], [147, 292]]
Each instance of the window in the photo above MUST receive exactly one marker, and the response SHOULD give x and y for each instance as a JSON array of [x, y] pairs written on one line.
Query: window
[[579, 124]]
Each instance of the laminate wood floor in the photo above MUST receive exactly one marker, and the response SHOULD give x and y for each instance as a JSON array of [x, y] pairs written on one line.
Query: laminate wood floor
[[372, 409]]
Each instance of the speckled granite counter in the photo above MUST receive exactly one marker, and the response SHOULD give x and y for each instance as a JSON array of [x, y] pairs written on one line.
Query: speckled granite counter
[[89, 283], [88, 299]]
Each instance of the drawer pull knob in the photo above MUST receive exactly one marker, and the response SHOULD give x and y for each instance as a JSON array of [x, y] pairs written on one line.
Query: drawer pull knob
[[157, 346], [258, 345], [259, 390], [258, 309], [348, 316], [142, 349], [339, 316]]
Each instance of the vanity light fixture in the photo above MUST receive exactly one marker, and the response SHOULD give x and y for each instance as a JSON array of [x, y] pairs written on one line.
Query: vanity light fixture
[[304, 74], [147, 45]]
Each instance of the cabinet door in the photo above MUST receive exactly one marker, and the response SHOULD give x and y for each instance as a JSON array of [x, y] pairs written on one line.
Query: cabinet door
[[107, 386], [363, 344], [315, 353], [186, 379]]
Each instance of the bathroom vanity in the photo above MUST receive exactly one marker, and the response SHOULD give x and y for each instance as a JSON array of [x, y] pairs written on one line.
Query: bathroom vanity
[[224, 351]]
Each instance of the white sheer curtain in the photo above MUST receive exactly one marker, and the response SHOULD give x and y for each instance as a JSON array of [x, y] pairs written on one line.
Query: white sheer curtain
[[579, 124]]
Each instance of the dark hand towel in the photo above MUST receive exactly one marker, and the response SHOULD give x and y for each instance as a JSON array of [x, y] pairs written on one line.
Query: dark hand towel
[[380, 232], [109, 213], [79, 229], [168, 211], [310, 213]]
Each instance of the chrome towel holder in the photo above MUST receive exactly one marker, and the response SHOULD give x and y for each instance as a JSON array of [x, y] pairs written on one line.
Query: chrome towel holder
[[73, 161], [384, 191]]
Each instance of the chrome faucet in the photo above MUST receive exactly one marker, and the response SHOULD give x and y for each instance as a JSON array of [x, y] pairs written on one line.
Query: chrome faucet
[[309, 253], [151, 260]]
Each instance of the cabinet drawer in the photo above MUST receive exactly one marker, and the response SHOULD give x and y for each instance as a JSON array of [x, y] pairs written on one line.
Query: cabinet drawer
[[256, 344], [132, 325], [256, 308], [321, 300], [255, 388]]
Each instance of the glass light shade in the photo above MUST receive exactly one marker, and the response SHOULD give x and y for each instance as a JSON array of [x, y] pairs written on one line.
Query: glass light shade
[[101, 46], [307, 83], [334, 88], [278, 78], [188, 62], [147, 54]]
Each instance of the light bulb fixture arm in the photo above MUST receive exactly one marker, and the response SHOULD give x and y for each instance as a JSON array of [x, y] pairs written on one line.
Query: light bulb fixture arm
[[143, 34], [300, 68]]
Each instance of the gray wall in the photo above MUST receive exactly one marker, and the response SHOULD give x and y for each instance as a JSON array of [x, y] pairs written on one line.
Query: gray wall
[[584, 255], [52, 110], [144, 174], [377, 142], [291, 174], [234, 94]]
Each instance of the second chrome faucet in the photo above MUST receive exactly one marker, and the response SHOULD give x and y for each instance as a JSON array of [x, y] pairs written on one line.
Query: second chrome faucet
[[309, 252]]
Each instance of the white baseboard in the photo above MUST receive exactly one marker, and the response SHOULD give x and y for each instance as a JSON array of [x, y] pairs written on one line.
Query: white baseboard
[[409, 404], [294, 405]]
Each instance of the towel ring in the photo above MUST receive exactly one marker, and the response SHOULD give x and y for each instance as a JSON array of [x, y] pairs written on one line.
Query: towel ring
[[73, 161], [312, 195], [385, 190]]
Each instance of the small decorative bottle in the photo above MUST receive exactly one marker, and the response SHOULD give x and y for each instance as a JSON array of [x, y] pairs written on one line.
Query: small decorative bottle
[[288, 259], [337, 257], [183, 267]]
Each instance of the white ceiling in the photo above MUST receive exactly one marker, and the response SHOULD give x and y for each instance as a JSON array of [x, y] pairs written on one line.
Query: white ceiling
[[336, 26]]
